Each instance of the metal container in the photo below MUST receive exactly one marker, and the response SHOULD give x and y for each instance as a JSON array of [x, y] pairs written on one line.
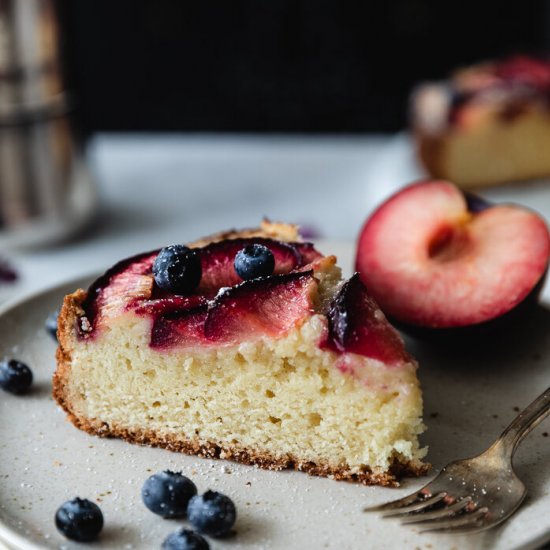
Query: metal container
[[46, 192]]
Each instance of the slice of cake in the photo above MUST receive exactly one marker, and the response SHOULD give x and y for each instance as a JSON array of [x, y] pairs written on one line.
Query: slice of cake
[[488, 124], [268, 359]]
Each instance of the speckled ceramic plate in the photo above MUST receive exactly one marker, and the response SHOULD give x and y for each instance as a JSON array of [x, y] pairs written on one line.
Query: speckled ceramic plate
[[469, 399]]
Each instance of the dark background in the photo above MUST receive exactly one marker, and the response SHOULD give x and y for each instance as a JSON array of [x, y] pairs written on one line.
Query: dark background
[[277, 65]]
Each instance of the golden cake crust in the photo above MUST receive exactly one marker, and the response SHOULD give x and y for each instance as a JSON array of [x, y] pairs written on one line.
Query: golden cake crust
[[268, 229]]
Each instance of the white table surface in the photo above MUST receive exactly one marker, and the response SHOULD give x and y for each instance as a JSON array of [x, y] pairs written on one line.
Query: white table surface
[[159, 189]]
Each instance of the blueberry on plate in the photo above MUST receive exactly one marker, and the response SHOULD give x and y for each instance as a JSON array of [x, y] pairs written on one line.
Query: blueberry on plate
[[253, 261], [15, 376], [184, 539], [79, 519], [51, 324], [168, 493], [212, 513], [177, 269]]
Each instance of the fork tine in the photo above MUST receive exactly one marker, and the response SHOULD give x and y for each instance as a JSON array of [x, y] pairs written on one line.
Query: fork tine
[[400, 503], [415, 507], [467, 522], [448, 511], [405, 501]]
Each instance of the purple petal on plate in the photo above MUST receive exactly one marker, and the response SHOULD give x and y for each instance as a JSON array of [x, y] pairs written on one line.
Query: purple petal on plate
[[7, 272], [307, 231]]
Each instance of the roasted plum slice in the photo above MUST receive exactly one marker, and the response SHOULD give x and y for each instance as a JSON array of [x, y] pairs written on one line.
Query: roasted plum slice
[[179, 328], [270, 306], [357, 325], [180, 319], [217, 261]]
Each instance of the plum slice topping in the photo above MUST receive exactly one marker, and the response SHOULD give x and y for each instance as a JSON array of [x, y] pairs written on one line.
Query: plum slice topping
[[270, 306], [217, 261], [357, 325]]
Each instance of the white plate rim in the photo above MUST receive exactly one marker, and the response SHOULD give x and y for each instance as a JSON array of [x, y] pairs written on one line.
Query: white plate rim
[[7, 534]]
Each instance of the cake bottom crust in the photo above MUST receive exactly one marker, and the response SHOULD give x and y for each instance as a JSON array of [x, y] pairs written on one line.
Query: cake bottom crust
[[209, 449]]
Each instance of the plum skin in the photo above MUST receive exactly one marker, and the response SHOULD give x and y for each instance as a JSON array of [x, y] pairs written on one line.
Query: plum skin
[[476, 203], [509, 323]]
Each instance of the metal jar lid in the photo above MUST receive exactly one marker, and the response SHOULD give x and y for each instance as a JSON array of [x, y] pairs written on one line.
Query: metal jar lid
[[46, 192]]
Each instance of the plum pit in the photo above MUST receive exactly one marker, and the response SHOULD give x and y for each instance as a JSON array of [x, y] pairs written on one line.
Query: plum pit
[[449, 243]]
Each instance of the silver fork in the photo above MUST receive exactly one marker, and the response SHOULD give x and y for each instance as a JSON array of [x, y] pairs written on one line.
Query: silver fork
[[476, 493]]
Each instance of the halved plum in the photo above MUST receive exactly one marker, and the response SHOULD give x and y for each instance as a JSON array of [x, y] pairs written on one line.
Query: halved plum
[[431, 261]]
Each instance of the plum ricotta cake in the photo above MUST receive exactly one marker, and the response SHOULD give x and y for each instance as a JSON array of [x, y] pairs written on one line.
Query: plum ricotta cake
[[488, 124], [247, 346]]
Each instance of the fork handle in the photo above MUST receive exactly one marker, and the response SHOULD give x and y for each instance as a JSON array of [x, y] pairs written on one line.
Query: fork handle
[[524, 422]]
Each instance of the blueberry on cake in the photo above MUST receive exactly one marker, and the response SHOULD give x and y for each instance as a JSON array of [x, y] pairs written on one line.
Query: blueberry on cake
[[488, 124], [246, 346]]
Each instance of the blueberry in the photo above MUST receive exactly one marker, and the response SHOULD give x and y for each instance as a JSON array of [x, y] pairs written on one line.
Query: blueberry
[[167, 494], [254, 260], [79, 519], [212, 513], [185, 539], [15, 376], [51, 324], [177, 269]]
